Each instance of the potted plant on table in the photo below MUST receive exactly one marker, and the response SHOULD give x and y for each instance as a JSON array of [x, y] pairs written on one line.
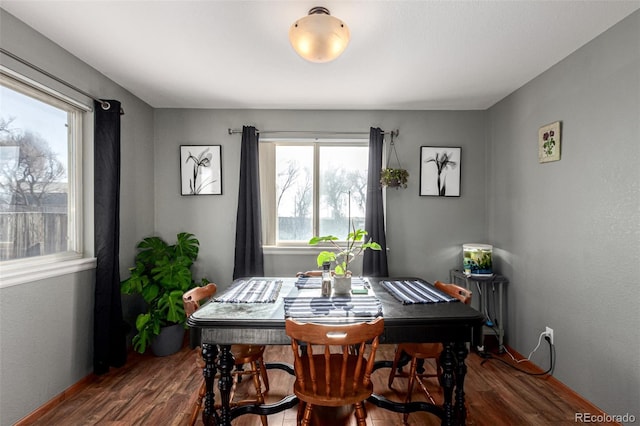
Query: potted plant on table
[[161, 276], [343, 255]]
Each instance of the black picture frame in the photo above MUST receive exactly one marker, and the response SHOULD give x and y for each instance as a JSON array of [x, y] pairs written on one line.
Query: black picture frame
[[201, 169], [440, 171]]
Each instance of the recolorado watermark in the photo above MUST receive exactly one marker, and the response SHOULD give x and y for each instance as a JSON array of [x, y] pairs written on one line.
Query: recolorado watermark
[[603, 418]]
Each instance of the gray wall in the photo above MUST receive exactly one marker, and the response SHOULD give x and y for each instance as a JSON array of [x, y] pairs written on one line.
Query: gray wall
[[425, 234], [46, 326], [568, 232], [46, 329]]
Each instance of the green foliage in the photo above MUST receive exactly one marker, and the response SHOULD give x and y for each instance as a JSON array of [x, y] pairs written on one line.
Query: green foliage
[[479, 260], [355, 244], [484, 261], [161, 276], [549, 142], [394, 177]]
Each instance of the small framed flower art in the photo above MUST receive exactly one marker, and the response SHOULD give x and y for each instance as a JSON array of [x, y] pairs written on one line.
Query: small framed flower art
[[201, 169], [549, 142]]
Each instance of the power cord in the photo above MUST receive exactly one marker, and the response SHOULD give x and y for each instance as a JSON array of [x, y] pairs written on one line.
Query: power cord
[[503, 348], [487, 356]]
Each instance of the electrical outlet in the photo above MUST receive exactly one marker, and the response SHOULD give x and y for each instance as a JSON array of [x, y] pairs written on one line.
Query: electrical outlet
[[549, 332]]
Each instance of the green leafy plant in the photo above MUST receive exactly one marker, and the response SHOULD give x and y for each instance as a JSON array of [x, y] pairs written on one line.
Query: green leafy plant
[[549, 142], [161, 276], [355, 244], [394, 178]]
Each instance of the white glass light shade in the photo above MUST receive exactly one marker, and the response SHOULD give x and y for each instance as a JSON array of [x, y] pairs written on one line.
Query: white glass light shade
[[319, 37]]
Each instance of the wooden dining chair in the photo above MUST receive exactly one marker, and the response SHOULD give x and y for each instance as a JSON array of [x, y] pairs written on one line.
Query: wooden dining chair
[[329, 372], [242, 354], [424, 351]]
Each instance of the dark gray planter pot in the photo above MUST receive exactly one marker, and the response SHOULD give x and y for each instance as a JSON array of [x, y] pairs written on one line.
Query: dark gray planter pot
[[169, 341]]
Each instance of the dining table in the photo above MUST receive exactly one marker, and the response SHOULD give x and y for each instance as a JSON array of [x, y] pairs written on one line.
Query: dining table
[[253, 311]]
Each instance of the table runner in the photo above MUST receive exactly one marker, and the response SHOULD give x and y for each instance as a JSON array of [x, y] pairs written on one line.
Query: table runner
[[252, 291], [411, 291], [335, 308], [316, 282]]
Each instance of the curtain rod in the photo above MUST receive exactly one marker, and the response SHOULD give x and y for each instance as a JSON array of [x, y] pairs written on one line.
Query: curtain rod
[[105, 105], [318, 132]]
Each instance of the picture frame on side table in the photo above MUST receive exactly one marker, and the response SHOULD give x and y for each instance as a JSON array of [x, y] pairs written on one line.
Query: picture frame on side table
[[440, 171], [201, 169]]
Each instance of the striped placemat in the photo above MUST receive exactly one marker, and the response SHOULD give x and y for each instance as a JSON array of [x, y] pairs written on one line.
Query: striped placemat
[[411, 291], [251, 291], [338, 308]]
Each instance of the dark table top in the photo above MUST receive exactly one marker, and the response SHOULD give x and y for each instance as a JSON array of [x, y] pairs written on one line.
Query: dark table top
[[263, 323]]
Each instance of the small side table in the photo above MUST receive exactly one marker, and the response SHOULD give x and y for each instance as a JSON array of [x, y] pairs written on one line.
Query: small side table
[[483, 299]]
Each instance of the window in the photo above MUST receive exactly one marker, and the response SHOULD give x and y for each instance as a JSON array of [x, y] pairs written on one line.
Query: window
[[312, 188], [40, 175]]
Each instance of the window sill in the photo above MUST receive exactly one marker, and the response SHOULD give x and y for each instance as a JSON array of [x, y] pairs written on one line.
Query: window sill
[[291, 250], [34, 272]]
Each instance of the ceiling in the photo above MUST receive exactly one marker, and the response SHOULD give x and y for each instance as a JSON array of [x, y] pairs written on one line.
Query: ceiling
[[403, 55]]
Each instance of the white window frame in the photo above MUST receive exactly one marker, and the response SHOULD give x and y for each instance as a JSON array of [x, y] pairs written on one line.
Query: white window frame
[[18, 271], [268, 185]]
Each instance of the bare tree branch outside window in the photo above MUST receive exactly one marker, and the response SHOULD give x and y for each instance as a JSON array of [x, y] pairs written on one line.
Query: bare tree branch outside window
[[28, 180]]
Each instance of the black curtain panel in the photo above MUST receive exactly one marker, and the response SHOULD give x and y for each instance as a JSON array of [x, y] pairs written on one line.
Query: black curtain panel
[[109, 336], [374, 263], [249, 259]]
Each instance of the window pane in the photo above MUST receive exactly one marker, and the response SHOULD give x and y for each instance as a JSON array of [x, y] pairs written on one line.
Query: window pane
[[34, 189], [294, 192], [343, 188]]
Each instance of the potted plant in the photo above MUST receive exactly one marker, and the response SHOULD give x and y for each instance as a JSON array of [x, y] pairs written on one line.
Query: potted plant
[[394, 178], [161, 276], [343, 255]]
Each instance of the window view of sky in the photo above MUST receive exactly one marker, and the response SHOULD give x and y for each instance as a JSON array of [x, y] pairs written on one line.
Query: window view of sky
[[28, 114]]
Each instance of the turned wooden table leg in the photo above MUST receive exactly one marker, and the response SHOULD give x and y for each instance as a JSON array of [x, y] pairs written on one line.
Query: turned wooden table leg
[[225, 383], [461, 371], [209, 353], [447, 362]]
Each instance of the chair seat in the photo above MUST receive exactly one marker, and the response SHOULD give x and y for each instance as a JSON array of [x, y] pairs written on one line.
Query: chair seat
[[244, 354], [421, 350]]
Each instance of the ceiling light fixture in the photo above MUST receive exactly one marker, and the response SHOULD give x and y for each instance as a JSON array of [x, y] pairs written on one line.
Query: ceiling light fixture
[[319, 37]]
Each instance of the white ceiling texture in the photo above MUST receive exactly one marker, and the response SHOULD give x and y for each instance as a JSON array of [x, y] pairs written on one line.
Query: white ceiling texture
[[403, 55]]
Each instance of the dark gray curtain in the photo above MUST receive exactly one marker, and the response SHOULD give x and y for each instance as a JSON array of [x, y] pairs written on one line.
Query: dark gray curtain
[[248, 256], [109, 333], [374, 263]]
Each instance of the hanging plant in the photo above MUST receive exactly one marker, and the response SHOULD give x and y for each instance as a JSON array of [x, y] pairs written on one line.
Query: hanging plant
[[394, 177]]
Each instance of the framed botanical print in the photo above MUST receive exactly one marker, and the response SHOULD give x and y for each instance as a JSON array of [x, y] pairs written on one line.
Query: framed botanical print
[[549, 142], [440, 171], [201, 169]]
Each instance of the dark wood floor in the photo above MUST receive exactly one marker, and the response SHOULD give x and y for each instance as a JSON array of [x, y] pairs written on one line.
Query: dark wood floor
[[161, 391]]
